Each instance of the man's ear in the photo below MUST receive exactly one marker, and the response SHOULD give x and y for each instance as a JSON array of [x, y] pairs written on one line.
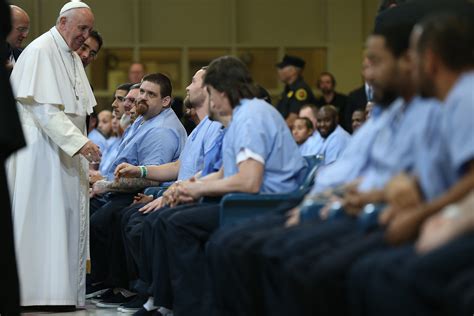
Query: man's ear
[[62, 23], [405, 61], [166, 102], [431, 62]]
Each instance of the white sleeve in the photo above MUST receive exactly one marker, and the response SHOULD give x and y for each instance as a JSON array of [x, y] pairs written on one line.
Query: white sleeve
[[246, 153], [58, 127]]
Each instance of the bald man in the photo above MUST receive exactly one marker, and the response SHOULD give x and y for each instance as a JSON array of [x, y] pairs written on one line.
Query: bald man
[[18, 33], [53, 97], [335, 138], [136, 72]]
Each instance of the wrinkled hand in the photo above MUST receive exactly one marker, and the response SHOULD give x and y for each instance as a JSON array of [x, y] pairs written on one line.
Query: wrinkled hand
[[142, 198], [404, 226], [153, 206], [126, 170], [100, 187], [91, 152]]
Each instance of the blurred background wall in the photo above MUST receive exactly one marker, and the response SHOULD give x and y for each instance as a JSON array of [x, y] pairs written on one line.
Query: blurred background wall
[[177, 37]]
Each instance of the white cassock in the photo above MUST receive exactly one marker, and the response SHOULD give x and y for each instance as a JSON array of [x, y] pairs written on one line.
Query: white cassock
[[48, 181]]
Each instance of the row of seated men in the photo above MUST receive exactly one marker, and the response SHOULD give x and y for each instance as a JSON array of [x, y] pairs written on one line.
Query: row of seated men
[[386, 228]]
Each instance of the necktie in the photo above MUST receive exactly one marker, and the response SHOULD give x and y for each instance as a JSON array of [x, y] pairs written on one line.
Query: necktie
[[370, 94]]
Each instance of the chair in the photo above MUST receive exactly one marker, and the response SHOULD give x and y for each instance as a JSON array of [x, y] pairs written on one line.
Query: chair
[[235, 207]]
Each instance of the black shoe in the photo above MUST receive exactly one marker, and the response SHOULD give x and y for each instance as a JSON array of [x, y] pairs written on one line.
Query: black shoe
[[134, 305], [95, 290], [115, 301], [143, 312], [106, 295]]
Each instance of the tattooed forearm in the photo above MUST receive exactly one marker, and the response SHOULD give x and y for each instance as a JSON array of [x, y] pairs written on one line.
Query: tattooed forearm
[[130, 184]]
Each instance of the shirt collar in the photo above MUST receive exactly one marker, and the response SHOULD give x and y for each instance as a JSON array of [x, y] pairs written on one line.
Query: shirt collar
[[60, 40], [460, 85]]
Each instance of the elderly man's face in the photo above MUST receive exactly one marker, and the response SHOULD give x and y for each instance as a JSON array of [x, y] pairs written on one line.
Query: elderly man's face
[[76, 26], [88, 51]]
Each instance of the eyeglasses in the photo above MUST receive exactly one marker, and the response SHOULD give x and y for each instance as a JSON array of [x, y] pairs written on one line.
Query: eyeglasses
[[23, 29]]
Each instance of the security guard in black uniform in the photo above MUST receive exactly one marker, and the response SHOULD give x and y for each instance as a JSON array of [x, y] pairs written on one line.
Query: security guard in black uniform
[[297, 92]]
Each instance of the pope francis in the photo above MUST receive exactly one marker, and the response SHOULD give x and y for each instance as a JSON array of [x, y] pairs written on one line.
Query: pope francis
[[48, 179]]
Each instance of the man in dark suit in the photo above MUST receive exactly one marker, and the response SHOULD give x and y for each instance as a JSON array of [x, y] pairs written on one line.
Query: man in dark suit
[[359, 97], [11, 139], [19, 31]]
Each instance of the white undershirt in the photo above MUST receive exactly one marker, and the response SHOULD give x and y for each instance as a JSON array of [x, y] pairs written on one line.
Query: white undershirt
[[246, 153]]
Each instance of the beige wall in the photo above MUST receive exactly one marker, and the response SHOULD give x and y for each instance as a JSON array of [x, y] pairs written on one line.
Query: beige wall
[[331, 30]]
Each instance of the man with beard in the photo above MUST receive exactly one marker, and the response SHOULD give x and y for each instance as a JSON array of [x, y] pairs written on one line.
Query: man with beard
[[300, 268], [124, 98], [199, 144], [434, 275], [157, 137], [327, 85], [333, 137]]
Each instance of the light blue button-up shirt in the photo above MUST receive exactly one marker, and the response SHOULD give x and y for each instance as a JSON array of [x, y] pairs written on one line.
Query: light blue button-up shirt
[[354, 158], [199, 142], [404, 143], [258, 127], [156, 141]]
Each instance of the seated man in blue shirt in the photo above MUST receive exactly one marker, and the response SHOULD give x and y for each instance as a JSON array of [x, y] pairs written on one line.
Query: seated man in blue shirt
[[200, 157], [259, 155], [156, 137], [108, 156], [334, 137], [130, 220], [418, 281], [101, 134], [300, 262]]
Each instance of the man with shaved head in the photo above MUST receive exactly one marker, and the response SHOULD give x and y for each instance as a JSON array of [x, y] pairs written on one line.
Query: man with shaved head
[[48, 179], [18, 33], [334, 137]]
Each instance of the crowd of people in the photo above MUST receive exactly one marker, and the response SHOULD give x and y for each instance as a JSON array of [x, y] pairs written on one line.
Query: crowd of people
[[386, 227]]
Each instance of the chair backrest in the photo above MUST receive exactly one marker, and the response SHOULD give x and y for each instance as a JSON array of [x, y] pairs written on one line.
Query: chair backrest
[[313, 164]]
